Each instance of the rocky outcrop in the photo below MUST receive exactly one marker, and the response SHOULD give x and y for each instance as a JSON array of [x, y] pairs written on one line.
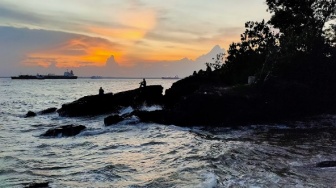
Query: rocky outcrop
[[205, 100], [43, 112], [113, 119], [109, 103], [66, 130], [48, 111], [326, 164], [219, 105], [30, 114], [37, 185]]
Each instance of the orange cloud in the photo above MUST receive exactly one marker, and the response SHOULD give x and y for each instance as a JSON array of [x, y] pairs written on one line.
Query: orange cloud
[[133, 25], [121, 33], [76, 52]]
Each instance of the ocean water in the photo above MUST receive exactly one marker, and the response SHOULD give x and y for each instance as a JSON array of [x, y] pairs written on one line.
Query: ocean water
[[135, 154]]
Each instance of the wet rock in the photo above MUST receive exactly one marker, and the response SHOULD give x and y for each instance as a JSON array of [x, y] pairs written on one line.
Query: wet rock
[[66, 130], [206, 108], [109, 103], [48, 111], [325, 164], [37, 185], [114, 119], [30, 114], [188, 103]]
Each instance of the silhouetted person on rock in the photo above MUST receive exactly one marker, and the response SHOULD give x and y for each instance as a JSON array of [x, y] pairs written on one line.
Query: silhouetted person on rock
[[143, 83], [101, 91]]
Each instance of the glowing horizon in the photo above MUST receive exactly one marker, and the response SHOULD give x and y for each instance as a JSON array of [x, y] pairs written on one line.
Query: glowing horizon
[[87, 33]]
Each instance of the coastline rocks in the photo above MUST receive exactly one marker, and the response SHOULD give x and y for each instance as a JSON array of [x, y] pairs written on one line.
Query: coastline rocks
[[205, 101], [109, 103], [30, 114], [219, 105], [326, 164], [210, 107], [113, 119], [37, 185], [66, 130], [48, 111], [43, 112]]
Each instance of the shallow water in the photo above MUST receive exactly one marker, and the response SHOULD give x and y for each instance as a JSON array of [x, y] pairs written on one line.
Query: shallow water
[[133, 154]]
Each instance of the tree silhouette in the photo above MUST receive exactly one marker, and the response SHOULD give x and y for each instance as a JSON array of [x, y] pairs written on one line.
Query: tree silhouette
[[249, 57]]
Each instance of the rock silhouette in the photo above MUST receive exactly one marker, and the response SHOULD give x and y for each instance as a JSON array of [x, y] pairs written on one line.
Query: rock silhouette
[[48, 111], [66, 130], [113, 119], [30, 114], [108, 103]]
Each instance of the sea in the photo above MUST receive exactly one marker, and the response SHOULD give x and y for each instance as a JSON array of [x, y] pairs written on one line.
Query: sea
[[135, 154]]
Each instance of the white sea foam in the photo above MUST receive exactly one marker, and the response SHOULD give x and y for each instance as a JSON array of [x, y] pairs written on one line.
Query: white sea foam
[[126, 110], [151, 108], [210, 180], [132, 120], [91, 132]]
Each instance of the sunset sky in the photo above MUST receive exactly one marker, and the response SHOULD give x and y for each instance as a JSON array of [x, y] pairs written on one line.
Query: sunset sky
[[118, 37]]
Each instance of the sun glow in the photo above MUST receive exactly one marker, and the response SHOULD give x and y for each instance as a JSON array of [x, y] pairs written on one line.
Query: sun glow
[[74, 53]]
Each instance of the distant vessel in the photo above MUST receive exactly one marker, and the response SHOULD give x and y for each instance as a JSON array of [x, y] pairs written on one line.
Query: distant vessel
[[96, 77], [66, 75], [170, 77]]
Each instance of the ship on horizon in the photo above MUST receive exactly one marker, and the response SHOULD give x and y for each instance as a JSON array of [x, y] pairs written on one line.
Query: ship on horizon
[[96, 77], [66, 75], [170, 77]]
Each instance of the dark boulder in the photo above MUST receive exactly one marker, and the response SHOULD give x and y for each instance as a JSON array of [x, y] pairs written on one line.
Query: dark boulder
[[109, 103], [37, 185], [30, 114], [325, 164], [113, 119], [48, 111], [66, 130]]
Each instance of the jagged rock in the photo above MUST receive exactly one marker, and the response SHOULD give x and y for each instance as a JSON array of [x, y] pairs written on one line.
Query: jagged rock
[[48, 111], [37, 185], [325, 164], [206, 108], [114, 119], [66, 130], [215, 105], [30, 114], [108, 103]]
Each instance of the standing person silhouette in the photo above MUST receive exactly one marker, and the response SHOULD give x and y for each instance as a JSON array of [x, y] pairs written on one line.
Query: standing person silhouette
[[101, 91], [143, 83]]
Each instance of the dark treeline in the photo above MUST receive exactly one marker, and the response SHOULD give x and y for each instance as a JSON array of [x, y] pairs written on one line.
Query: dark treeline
[[298, 43]]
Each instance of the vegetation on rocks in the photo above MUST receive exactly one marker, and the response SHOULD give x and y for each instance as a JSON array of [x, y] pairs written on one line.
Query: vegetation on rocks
[[292, 58]]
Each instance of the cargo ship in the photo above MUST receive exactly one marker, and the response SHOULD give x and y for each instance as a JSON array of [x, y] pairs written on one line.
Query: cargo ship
[[66, 75]]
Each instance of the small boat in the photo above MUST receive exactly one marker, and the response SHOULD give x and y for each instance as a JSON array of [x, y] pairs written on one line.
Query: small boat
[[170, 77], [96, 77], [66, 75]]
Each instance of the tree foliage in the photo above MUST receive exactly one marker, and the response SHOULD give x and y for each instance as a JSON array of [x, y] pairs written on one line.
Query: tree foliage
[[218, 62], [303, 48], [302, 23], [247, 58]]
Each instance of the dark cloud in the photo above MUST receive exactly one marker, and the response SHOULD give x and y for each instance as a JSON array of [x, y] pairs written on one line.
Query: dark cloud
[[14, 15], [10, 15]]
